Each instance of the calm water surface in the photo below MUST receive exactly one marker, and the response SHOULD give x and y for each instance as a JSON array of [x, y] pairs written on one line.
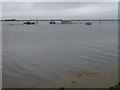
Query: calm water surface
[[32, 54]]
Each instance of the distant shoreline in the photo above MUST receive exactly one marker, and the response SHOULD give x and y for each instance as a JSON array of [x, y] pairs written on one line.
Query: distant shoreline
[[69, 20]]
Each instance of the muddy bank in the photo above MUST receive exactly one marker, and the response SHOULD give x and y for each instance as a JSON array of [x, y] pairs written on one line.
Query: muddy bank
[[102, 78], [105, 77]]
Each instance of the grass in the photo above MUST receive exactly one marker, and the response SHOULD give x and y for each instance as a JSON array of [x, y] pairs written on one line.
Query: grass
[[116, 87]]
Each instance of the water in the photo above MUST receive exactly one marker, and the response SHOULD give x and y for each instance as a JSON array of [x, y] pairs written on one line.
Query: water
[[32, 54]]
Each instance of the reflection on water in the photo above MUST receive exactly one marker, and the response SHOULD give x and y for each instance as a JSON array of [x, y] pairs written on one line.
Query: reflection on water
[[32, 54]]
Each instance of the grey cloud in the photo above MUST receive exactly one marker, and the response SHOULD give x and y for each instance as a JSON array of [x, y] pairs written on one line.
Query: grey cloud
[[60, 9]]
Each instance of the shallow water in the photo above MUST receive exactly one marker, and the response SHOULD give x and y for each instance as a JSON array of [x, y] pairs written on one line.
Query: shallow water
[[32, 54]]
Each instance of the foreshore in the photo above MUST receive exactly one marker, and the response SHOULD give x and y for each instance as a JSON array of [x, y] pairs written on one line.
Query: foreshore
[[105, 77]]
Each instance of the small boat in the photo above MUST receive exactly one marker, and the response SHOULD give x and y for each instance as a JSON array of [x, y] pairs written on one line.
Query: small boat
[[88, 23], [29, 23], [52, 22], [55, 22]]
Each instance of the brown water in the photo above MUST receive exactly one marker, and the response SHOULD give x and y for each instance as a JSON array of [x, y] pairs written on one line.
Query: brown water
[[32, 54]]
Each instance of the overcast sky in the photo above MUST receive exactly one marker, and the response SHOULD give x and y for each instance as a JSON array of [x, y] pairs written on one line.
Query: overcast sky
[[60, 10]]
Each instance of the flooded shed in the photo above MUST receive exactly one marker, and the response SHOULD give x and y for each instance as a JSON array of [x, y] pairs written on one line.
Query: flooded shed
[[28, 23], [66, 22]]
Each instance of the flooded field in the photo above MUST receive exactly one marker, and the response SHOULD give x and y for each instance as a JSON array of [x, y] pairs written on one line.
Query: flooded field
[[32, 55]]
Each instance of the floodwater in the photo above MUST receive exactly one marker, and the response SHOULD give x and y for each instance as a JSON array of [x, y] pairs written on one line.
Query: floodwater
[[32, 54]]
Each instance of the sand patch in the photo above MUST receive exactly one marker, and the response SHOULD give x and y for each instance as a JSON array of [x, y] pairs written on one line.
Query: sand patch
[[103, 78]]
